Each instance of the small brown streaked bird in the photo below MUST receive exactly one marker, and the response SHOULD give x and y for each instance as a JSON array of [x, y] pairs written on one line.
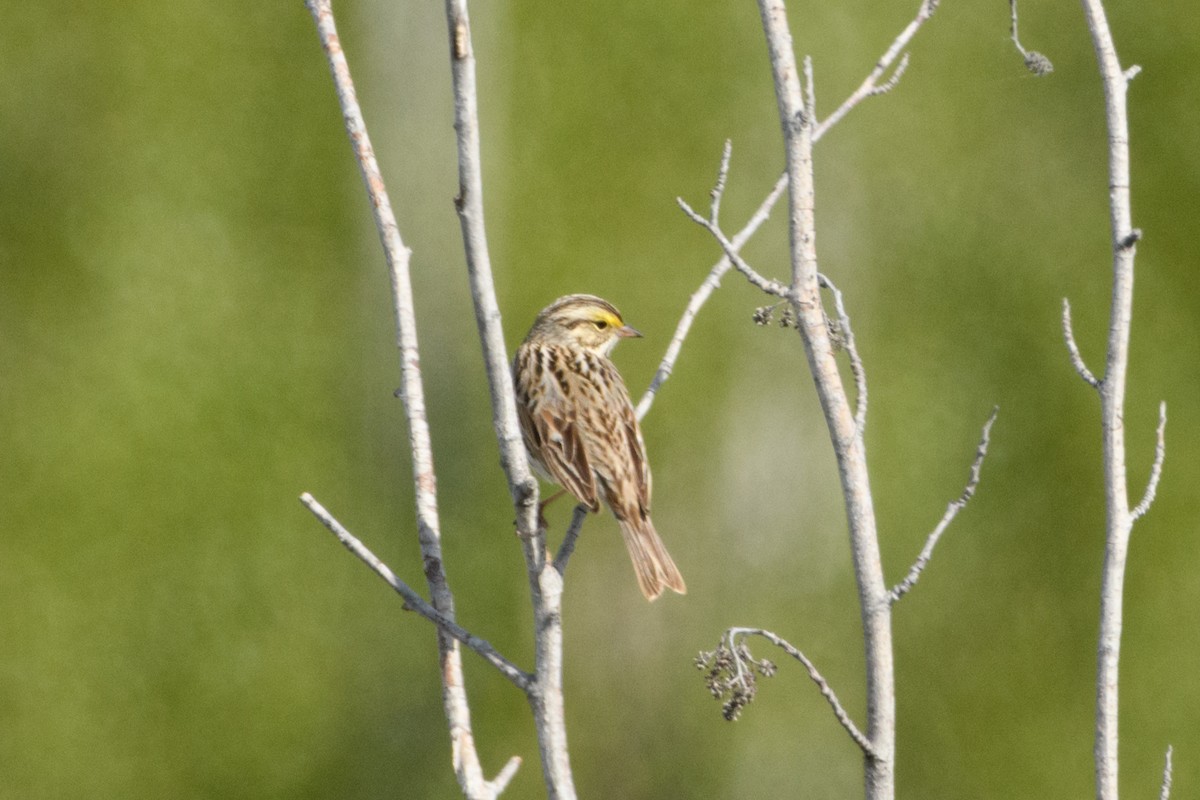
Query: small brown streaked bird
[[580, 428]]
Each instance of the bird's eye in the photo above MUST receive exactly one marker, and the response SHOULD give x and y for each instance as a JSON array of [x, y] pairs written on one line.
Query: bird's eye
[[601, 324]]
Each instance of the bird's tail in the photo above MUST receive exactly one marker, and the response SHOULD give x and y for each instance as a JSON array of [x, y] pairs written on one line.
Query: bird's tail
[[651, 561]]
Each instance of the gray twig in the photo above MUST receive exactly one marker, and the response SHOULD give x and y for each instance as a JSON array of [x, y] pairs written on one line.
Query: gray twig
[[870, 84], [957, 505], [413, 601], [734, 634], [767, 285], [1035, 62], [701, 295], [1073, 349], [856, 365], [569, 538], [1164, 793], [1160, 453]]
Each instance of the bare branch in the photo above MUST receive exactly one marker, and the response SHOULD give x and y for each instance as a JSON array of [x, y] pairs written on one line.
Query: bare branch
[[414, 601], [914, 573], [893, 81], [731, 252], [1073, 349], [718, 189], [1165, 792], [848, 444], [545, 583], [454, 698], [856, 364], [871, 83], [1118, 519], [1160, 452], [568, 543], [701, 295], [736, 634], [1035, 62]]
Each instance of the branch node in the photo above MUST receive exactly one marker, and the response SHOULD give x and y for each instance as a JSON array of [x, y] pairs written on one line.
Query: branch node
[[1129, 75], [1073, 349], [1130, 239]]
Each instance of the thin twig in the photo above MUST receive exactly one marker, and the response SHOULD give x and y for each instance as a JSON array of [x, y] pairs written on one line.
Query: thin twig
[[568, 543], [718, 190], [1160, 453], [894, 80], [701, 295], [1073, 349], [914, 573], [856, 365], [413, 601], [1165, 792], [1035, 62], [767, 285], [823, 685], [871, 82]]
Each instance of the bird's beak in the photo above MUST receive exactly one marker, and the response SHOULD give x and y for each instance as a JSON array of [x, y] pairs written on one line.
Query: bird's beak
[[627, 332]]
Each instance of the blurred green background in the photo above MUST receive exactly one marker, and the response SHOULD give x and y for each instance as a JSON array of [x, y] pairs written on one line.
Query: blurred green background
[[195, 328]]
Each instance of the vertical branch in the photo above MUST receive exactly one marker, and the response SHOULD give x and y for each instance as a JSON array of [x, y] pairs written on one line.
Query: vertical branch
[[844, 433], [545, 583], [454, 697], [1119, 519]]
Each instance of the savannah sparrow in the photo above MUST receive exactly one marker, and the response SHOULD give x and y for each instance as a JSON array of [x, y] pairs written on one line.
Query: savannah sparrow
[[580, 429]]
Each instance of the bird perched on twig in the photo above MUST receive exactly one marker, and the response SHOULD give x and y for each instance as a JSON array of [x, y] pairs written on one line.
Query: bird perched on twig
[[580, 429]]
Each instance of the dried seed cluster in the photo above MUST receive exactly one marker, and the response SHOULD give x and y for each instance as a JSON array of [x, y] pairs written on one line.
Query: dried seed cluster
[[732, 676]]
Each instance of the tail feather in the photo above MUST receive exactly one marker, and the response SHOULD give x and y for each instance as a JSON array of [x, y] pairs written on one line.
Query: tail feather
[[653, 564]]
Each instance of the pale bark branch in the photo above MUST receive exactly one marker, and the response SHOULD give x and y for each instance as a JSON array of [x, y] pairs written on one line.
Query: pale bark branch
[[957, 505], [545, 582], [701, 295], [1160, 453], [1164, 792], [1119, 519], [1073, 348], [847, 440], [768, 285], [412, 600], [454, 699], [856, 365], [839, 711], [870, 85]]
